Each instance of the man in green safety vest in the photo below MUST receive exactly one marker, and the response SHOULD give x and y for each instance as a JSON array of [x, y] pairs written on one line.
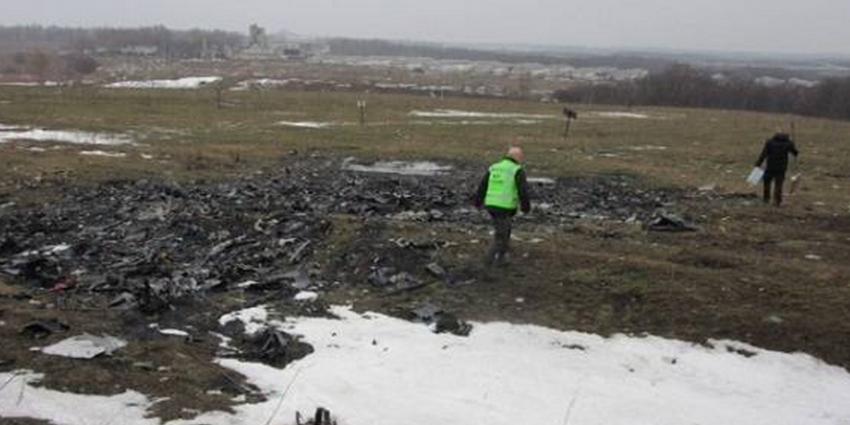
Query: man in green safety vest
[[502, 191]]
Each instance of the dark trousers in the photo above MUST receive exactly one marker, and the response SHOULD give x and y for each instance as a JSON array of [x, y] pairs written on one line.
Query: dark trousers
[[777, 179], [502, 224]]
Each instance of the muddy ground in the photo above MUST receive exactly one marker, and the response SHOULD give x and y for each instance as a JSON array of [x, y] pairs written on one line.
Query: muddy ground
[[120, 256]]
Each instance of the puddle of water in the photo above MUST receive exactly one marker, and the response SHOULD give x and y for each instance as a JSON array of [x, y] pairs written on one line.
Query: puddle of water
[[453, 113], [415, 168], [180, 83], [9, 133]]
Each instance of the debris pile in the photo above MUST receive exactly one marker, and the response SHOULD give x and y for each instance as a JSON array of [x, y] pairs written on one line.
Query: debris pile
[[148, 244]]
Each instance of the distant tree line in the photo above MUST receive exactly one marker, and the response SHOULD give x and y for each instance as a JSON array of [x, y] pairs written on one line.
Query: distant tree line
[[39, 66], [685, 86], [168, 43], [370, 47]]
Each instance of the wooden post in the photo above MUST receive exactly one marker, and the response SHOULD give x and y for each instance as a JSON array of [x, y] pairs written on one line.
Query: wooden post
[[361, 106], [569, 116]]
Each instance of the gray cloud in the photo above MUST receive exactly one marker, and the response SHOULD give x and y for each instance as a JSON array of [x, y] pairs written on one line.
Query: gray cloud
[[789, 26]]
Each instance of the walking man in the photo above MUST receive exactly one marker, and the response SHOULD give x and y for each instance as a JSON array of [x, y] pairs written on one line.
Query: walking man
[[502, 191], [776, 151]]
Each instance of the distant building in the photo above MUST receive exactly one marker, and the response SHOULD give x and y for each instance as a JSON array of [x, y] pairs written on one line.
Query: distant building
[[139, 50]]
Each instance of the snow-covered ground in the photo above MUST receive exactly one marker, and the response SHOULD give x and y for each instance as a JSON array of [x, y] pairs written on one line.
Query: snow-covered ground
[[414, 168], [633, 115], [371, 369], [475, 122], [104, 153], [9, 133], [306, 124], [541, 180], [260, 83], [453, 113], [20, 397], [180, 83]]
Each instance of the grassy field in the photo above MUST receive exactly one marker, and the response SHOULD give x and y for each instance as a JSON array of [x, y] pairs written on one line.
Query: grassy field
[[700, 146], [744, 276]]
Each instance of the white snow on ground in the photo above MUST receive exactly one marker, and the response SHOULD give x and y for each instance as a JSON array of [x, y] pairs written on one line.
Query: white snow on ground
[[180, 83], [174, 332], [19, 399], [648, 148], [453, 113], [372, 369], [9, 133], [260, 83], [305, 124], [306, 296], [417, 168], [104, 153], [619, 115], [254, 318], [31, 84], [475, 122], [541, 180]]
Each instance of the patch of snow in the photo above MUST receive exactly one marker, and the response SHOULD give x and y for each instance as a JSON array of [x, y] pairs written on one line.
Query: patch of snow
[[620, 115], [104, 153], [454, 113], [417, 168], [64, 136], [260, 83], [541, 180], [31, 84], [21, 397], [648, 148], [253, 318], [84, 346], [247, 284], [174, 332], [305, 124], [306, 296], [180, 83], [475, 122], [146, 156], [224, 341], [374, 369], [55, 249]]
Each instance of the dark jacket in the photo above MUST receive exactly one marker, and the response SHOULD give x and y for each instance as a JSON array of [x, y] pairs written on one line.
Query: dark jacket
[[522, 187], [776, 152]]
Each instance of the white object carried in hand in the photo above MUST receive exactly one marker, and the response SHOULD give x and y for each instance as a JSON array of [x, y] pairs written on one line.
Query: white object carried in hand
[[755, 176]]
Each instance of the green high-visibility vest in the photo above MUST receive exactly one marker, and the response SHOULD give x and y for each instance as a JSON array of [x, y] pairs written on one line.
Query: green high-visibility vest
[[502, 191]]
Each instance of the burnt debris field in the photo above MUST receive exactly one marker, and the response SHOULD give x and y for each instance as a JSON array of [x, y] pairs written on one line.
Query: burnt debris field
[[212, 246]]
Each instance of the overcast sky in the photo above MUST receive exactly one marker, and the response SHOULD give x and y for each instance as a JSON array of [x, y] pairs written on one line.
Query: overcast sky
[[786, 26]]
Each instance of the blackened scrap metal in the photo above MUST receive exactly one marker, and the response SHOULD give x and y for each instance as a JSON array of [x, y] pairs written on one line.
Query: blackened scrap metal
[[146, 244]]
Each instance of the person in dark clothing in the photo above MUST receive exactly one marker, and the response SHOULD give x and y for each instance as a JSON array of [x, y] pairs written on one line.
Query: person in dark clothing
[[775, 152], [502, 191]]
